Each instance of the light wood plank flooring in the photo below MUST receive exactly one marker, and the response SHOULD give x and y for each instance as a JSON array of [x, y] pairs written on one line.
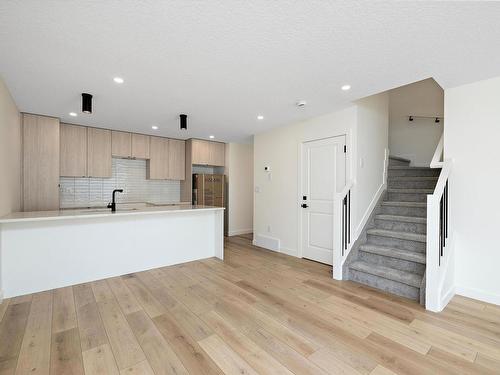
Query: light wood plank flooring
[[257, 312]]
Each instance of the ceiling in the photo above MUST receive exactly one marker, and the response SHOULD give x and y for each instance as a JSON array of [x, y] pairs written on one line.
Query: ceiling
[[224, 62]]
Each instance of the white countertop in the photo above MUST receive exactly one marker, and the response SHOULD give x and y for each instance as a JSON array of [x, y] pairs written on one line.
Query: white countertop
[[122, 210]]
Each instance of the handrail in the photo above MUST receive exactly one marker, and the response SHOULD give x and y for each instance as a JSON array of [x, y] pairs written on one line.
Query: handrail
[[438, 154], [438, 254], [341, 228]]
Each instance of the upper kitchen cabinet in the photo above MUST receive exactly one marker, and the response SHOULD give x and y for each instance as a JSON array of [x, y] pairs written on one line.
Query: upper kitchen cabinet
[[140, 146], [99, 162], [121, 144], [207, 153], [40, 163], [73, 151], [176, 159], [200, 151], [158, 163], [217, 154]]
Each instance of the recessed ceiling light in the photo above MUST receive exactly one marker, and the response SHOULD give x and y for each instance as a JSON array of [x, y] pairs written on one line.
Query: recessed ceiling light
[[73, 114], [118, 79], [260, 117], [346, 87], [211, 136], [154, 127]]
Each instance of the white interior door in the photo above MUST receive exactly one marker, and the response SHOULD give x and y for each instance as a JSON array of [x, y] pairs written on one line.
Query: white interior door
[[323, 174]]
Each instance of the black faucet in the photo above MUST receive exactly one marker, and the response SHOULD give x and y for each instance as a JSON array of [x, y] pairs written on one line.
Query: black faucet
[[112, 205]]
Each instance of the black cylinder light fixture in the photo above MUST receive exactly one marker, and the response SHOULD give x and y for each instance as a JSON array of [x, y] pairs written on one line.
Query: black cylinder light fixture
[[86, 103], [184, 124]]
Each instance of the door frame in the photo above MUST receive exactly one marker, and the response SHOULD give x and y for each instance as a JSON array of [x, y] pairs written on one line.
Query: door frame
[[348, 170]]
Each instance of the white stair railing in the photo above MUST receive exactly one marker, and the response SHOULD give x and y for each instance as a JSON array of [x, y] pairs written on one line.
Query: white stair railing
[[437, 158], [439, 265], [342, 229]]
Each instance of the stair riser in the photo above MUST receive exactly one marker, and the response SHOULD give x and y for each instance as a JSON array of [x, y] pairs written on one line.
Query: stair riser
[[400, 226], [397, 243], [399, 264], [413, 172], [404, 211], [393, 162], [390, 286], [407, 197], [411, 184]]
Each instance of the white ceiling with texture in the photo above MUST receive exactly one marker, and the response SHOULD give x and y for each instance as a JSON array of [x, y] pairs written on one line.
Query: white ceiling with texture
[[224, 62]]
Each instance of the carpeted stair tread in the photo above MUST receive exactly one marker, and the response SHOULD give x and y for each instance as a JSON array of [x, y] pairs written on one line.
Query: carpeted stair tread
[[391, 252], [398, 158], [407, 167], [410, 191], [403, 277], [399, 235], [404, 219], [404, 204], [414, 178]]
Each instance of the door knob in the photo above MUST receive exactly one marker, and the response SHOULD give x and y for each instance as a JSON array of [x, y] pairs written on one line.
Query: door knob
[[303, 205]]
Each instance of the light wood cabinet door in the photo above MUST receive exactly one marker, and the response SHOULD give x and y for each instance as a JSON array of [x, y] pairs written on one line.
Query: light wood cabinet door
[[157, 165], [140, 146], [217, 154], [176, 159], [73, 151], [99, 162], [40, 163], [121, 144], [200, 152]]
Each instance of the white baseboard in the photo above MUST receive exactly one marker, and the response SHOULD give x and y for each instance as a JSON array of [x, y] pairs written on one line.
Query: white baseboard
[[239, 232], [287, 251], [478, 294], [450, 293], [1, 296], [368, 211], [266, 242]]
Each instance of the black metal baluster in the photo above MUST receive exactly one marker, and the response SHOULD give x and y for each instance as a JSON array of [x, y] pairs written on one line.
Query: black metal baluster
[[446, 212], [342, 227], [440, 229], [349, 218]]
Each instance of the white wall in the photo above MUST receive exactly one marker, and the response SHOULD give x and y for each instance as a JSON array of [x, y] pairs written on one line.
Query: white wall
[[471, 138], [10, 153], [277, 200], [239, 169], [372, 142], [416, 140]]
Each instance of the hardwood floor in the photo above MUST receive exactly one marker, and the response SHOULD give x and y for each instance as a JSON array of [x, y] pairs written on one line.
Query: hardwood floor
[[258, 312]]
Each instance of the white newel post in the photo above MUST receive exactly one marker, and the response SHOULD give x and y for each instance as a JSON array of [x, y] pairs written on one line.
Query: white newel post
[[432, 299], [337, 238]]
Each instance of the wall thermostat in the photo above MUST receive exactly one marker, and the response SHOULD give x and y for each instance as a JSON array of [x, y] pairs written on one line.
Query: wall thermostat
[[267, 169]]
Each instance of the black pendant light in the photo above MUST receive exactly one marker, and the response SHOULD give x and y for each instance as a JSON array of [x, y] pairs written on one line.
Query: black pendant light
[[184, 124], [86, 103]]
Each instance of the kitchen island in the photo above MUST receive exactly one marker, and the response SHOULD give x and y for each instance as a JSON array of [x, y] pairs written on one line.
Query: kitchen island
[[52, 249]]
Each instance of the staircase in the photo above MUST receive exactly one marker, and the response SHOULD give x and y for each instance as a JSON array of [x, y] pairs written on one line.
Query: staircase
[[392, 258]]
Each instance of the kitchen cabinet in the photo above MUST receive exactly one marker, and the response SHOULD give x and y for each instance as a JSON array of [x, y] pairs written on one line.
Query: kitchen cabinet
[[73, 151], [157, 165], [99, 162], [200, 151], [176, 159], [121, 144], [207, 153], [140, 146], [40, 163], [217, 154]]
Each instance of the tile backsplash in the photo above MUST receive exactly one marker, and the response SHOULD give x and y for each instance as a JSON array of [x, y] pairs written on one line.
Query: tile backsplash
[[129, 175]]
